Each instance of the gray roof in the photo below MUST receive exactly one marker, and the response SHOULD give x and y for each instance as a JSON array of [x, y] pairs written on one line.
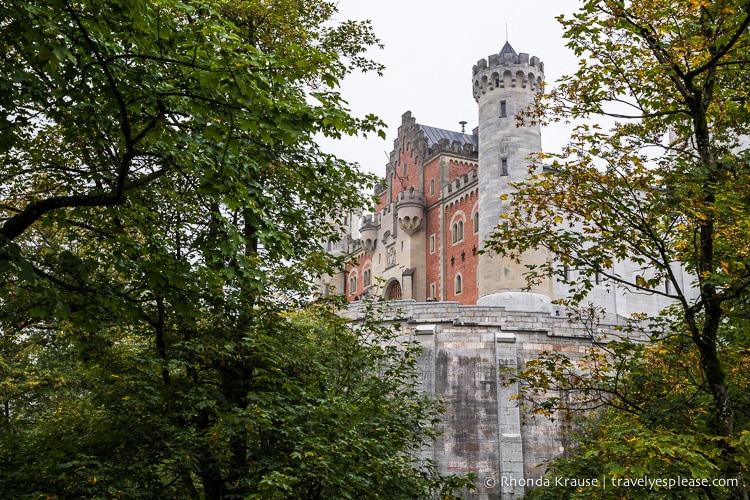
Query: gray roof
[[435, 134], [507, 49]]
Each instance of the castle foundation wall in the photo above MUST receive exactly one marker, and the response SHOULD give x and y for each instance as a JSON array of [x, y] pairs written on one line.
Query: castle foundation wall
[[469, 354]]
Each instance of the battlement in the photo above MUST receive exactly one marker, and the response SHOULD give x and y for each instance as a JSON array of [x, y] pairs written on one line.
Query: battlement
[[411, 196], [507, 69], [369, 220], [508, 60], [458, 147], [468, 179]]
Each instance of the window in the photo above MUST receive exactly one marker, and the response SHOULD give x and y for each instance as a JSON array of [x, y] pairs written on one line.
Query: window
[[366, 277], [432, 186], [667, 287], [458, 231], [432, 243], [433, 292], [476, 222], [406, 168], [598, 278], [503, 109], [497, 81], [566, 272], [458, 284], [504, 166], [353, 284]]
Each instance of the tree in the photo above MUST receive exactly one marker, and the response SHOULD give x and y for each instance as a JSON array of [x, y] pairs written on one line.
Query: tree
[[162, 205], [330, 411], [666, 188]]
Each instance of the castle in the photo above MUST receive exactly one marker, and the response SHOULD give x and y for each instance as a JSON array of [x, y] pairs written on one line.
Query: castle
[[471, 310]]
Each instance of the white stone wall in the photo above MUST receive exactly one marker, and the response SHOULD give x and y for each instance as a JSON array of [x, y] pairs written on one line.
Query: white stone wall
[[466, 352], [504, 86]]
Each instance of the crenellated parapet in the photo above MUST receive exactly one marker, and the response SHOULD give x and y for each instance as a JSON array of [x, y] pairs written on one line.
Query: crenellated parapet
[[445, 145], [460, 182], [410, 210], [508, 69]]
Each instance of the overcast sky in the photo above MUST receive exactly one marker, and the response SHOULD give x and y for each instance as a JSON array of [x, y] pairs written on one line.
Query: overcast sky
[[430, 48]]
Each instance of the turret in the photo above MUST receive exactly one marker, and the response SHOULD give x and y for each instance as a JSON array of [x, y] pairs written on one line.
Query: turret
[[504, 85], [410, 211], [368, 233]]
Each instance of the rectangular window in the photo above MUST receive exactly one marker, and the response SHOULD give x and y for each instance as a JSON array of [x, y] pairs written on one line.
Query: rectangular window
[[504, 166], [433, 292], [503, 109], [432, 243], [432, 186]]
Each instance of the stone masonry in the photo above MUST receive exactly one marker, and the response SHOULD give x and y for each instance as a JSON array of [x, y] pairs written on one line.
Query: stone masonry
[[468, 355]]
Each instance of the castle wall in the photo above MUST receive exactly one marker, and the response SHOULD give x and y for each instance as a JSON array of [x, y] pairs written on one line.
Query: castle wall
[[405, 173], [434, 233], [468, 355], [461, 255]]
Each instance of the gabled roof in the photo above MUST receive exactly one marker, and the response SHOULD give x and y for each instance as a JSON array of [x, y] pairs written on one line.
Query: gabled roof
[[435, 134]]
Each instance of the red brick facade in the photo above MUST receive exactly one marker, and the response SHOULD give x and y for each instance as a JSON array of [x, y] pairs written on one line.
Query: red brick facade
[[437, 261]]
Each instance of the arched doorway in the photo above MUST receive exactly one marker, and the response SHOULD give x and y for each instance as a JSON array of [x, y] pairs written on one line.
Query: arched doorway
[[393, 291]]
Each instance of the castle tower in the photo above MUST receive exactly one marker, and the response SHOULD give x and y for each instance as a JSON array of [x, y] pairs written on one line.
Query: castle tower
[[505, 84]]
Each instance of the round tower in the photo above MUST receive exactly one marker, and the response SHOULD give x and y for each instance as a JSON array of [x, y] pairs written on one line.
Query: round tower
[[504, 85]]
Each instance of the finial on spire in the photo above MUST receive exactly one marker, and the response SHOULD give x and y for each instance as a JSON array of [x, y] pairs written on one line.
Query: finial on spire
[[463, 125], [506, 32]]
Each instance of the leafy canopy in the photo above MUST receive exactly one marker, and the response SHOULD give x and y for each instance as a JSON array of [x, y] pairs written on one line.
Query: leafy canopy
[[163, 201]]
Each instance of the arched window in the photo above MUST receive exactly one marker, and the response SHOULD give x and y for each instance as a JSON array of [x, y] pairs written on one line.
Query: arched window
[[366, 277], [458, 285], [476, 222], [353, 284], [458, 231]]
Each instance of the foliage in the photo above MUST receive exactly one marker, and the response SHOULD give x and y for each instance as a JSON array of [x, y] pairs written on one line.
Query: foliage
[[330, 411], [666, 188], [163, 200], [631, 461]]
